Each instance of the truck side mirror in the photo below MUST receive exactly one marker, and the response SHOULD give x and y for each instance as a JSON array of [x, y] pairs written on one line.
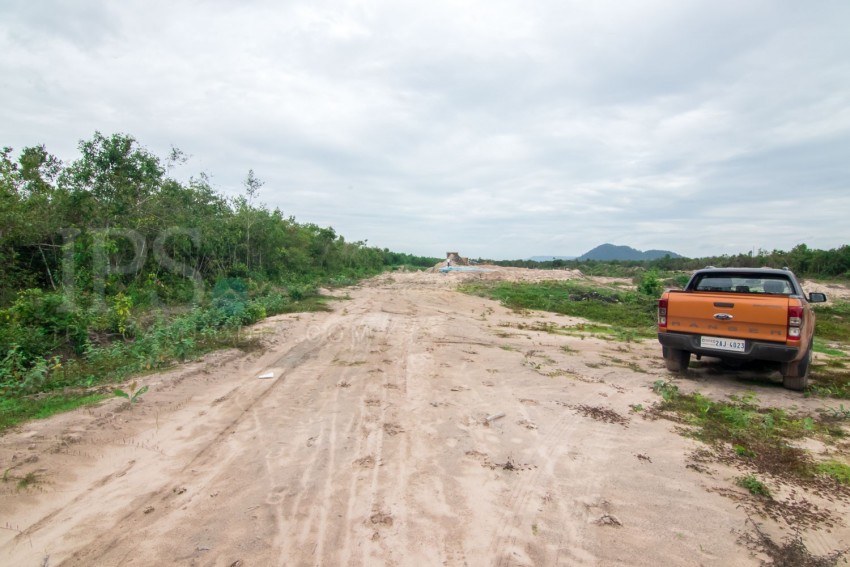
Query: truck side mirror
[[817, 297]]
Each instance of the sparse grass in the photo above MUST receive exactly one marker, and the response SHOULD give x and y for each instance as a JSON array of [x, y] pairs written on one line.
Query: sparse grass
[[631, 365], [840, 413], [835, 469], [829, 384], [631, 314], [339, 362], [505, 334], [24, 482], [29, 479], [758, 437], [568, 349], [790, 552]]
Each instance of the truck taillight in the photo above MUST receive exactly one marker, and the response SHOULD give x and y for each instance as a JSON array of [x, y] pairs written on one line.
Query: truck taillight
[[795, 322], [662, 312]]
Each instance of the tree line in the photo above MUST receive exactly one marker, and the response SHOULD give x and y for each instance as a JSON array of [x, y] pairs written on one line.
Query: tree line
[[89, 247], [107, 210], [802, 260]]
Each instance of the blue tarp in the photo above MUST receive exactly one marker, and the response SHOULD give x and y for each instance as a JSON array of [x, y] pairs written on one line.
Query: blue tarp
[[462, 269]]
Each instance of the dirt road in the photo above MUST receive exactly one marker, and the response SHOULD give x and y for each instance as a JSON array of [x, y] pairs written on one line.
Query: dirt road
[[371, 445]]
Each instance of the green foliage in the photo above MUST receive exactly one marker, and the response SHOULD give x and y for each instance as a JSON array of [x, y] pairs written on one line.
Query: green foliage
[[98, 284], [133, 395], [753, 485], [666, 389], [837, 470], [650, 284], [121, 310], [742, 451]]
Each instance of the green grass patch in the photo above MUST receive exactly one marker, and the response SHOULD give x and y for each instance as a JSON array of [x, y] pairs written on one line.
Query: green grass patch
[[822, 348], [625, 314], [835, 469], [16, 410], [753, 485], [833, 321]]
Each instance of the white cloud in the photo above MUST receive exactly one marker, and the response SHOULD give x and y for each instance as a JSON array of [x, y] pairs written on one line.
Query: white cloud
[[503, 129]]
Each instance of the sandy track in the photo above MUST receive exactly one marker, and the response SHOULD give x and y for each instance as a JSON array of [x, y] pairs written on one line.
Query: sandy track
[[371, 447]]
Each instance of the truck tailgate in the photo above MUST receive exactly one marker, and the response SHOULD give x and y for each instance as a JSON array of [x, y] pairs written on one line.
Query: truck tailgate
[[743, 316]]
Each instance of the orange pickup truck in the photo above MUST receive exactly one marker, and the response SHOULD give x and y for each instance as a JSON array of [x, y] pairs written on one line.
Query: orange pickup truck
[[740, 314]]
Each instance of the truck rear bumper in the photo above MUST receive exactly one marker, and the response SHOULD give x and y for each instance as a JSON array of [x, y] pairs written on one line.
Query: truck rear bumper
[[754, 350]]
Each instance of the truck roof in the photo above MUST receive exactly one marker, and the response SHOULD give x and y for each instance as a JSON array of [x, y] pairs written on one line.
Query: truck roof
[[784, 273], [776, 271]]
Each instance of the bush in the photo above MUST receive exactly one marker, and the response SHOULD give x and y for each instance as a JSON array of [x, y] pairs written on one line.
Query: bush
[[650, 284]]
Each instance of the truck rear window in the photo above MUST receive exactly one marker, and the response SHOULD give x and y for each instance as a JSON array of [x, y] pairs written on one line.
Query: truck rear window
[[734, 283]]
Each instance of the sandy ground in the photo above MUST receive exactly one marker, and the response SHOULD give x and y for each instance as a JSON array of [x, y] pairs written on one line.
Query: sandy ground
[[371, 446]]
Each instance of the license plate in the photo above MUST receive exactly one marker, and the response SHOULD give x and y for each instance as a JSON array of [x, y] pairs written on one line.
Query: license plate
[[717, 343]]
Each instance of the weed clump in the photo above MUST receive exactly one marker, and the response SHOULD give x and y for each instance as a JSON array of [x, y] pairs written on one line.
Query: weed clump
[[753, 485]]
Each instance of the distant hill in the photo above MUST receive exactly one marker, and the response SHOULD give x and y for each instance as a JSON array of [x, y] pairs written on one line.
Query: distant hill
[[607, 252], [550, 258]]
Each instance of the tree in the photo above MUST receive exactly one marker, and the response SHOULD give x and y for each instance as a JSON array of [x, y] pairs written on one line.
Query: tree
[[118, 174], [252, 186]]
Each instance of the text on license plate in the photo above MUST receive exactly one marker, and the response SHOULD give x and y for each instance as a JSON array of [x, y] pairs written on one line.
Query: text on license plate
[[734, 345]]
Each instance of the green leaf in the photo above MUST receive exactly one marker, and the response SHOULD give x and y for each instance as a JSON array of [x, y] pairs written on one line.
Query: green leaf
[[138, 393]]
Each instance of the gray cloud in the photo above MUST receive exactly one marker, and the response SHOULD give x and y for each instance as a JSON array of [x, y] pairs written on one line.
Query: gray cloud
[[503, 129]]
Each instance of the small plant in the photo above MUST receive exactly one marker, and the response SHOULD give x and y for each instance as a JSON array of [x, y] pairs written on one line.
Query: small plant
[[134, 394], [839, 413], [666, 389], [753, 485], [637, 408], [28, 480], [122, 308], [22, 482], [742, 451]]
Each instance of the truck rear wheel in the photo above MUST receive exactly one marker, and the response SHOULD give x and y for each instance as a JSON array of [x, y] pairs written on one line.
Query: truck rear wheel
[[676, 360], [795, 375]]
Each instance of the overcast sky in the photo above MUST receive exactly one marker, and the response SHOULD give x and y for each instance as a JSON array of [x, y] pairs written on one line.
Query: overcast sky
[[499, 129]]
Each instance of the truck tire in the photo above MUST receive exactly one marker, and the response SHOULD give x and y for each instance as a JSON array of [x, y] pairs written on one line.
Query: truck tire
[[795, 375], [676, 360]]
